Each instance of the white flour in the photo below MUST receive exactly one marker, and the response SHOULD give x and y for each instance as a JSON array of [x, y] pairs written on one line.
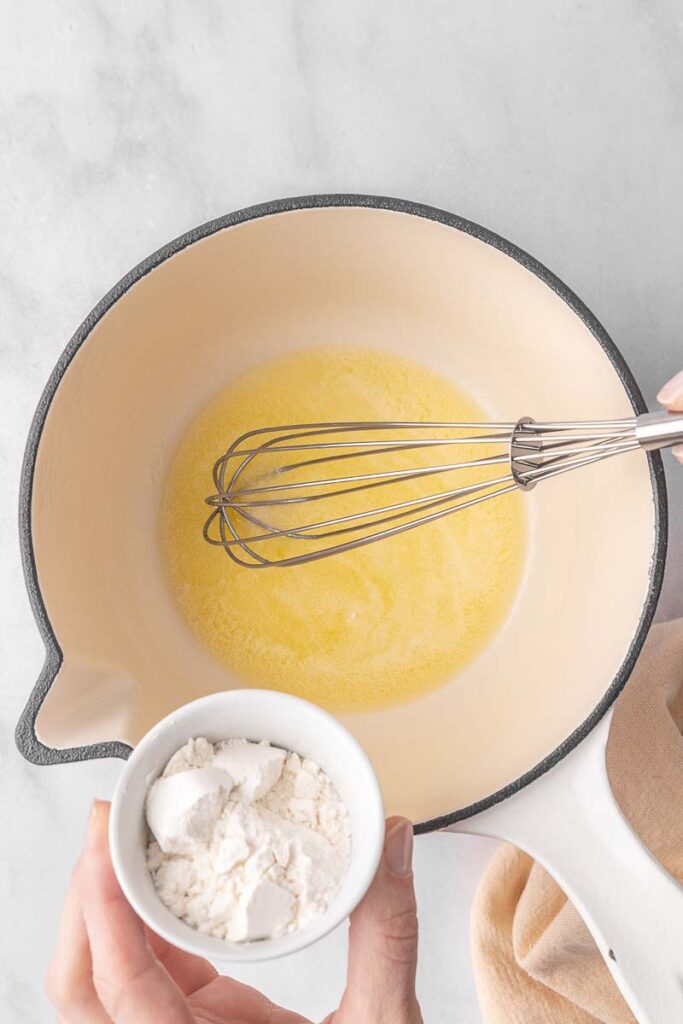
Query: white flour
[[250, 842]]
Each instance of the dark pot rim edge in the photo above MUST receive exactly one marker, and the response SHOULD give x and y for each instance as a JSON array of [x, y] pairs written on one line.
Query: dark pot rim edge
[[27, 741]]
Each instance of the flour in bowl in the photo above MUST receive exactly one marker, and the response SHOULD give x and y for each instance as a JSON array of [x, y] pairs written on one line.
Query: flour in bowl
[[249, 841]]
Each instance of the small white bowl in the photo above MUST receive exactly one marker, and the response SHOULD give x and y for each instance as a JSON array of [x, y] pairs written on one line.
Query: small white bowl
[[284, 721]]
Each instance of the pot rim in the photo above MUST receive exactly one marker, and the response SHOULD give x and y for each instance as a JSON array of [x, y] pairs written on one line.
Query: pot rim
[[27, 741]]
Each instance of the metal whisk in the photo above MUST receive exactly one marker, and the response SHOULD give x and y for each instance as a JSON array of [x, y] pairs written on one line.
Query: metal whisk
[[293, 494]]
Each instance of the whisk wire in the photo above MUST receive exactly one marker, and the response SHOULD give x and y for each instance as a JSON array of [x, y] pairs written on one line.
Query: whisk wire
[[260, 482]]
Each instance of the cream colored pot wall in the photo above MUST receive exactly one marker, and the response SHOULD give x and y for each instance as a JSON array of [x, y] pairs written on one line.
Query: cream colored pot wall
[[359, 277]]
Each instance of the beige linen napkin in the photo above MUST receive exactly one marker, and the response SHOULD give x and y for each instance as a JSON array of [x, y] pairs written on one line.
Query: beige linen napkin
[[535, 961]]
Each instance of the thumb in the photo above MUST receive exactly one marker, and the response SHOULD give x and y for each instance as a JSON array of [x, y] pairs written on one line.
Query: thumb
[[383, 939]]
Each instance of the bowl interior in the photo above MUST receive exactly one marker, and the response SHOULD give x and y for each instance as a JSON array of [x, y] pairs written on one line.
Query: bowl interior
[[354, 276], [286, 722]]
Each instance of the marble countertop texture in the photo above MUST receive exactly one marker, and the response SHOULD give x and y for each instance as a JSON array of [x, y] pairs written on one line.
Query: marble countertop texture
[[560, 126]]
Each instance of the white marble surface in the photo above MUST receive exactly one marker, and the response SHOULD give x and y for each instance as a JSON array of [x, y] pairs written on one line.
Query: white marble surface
[[559, 125]]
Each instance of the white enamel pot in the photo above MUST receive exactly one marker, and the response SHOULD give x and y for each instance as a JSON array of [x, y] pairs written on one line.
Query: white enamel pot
[[514, 746]]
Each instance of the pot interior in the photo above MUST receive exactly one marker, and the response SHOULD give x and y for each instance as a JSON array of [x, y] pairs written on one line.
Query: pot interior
[[355, 276]]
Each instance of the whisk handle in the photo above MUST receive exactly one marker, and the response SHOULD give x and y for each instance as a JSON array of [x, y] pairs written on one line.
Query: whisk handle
[[659, 430]]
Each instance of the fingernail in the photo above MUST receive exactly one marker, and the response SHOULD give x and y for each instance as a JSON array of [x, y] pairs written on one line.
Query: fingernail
[[398, 848], [672, 390], [678, 452], [96, 819]]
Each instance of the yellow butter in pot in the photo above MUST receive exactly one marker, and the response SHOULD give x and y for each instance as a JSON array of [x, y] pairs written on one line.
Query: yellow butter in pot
[[366, 628]]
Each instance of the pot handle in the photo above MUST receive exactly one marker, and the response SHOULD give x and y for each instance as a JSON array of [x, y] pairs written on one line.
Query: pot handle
[[570, 822]]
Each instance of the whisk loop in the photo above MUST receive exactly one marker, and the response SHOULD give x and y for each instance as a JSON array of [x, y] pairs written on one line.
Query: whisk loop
[[293, 494]]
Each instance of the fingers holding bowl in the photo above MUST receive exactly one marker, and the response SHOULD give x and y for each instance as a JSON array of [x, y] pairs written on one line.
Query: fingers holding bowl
[[131, 984]]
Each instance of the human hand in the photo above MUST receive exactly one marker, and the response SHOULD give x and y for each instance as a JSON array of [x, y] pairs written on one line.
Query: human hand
[[110, 969], [671, 396]]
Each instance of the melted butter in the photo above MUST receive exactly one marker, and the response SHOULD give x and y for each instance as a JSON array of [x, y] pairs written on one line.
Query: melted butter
[[366, 628]]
